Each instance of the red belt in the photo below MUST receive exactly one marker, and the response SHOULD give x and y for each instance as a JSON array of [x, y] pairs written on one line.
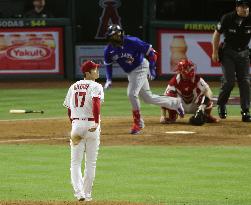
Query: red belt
[[88, 119]]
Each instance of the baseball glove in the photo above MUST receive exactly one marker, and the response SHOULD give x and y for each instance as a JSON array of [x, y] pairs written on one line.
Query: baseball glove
[[198, 119]]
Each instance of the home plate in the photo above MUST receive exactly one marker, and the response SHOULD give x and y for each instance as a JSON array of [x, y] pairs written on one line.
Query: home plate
[[180, 132]]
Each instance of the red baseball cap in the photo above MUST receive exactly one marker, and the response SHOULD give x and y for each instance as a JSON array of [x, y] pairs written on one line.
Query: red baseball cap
[[88, 65]]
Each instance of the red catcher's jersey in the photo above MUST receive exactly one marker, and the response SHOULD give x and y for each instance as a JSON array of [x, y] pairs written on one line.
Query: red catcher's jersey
[[188, 90]]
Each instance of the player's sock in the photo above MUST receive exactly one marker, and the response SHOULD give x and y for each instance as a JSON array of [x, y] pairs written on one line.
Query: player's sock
[[136, 127]]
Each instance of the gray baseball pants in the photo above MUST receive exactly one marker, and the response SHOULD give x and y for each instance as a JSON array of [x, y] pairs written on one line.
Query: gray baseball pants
[[139, 87]]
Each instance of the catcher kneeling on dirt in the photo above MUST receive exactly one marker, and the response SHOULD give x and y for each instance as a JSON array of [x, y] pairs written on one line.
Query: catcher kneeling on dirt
[[194, 92]]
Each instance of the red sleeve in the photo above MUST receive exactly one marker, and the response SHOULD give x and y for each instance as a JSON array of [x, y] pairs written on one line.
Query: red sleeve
[[173, 81], [69, 114], [171, 94], [96, 108], [171, 87]]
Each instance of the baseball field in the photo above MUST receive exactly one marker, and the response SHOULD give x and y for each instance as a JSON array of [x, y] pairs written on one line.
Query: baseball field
[[175, 164]]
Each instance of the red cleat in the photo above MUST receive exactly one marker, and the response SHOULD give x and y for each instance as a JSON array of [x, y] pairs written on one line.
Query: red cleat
[[135, 129]]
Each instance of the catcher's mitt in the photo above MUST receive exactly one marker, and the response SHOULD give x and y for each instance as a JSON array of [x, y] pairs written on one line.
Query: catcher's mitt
[[198, 119]]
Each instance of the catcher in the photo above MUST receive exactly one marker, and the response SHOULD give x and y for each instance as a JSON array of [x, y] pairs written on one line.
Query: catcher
[[194, 92]]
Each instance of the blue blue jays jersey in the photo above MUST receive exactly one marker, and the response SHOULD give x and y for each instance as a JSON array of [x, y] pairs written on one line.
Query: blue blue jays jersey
[[130, 55]]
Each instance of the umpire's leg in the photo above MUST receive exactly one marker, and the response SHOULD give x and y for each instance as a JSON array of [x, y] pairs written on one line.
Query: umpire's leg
[[242, 74], [228, 69]]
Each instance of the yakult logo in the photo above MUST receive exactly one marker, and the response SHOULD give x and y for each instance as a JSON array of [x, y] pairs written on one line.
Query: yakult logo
[[109, 16], [28, 52]]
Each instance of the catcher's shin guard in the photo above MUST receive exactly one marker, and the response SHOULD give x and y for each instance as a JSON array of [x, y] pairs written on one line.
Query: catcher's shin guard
[[207, 106], [162, 115], [172, 116], [208, 117], [137, 125]]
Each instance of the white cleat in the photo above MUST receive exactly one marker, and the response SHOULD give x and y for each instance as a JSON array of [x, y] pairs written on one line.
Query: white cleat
[[162, 120], [80, 196], [141, 124], [88, 199]]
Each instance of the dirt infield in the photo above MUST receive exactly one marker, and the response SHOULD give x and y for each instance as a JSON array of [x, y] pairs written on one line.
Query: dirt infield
[[115, 132], [115, 129]]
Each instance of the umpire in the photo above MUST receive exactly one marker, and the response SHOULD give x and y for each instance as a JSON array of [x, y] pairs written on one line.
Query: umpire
[[234, 56]]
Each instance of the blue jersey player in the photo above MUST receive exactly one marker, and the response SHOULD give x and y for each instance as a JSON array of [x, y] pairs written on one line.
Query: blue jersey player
[[131, 53]]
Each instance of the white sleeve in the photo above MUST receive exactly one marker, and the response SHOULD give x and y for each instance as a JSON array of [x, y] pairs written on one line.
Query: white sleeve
[[98, 92], [67, 98], [202, 85]]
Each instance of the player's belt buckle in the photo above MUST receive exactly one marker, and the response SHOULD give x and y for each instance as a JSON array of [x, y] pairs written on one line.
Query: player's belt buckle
[[85, 119]]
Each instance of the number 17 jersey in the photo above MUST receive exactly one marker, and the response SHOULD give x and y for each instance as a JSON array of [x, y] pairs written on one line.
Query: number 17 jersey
[[79, 98]]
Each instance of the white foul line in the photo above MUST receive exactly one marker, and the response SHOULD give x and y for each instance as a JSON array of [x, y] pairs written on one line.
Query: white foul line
[[29, 140], [32, 119], [179, 132]]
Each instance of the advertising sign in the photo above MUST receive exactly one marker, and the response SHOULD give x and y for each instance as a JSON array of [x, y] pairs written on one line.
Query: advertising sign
[[31, 51], [175, 44], [95, 53]]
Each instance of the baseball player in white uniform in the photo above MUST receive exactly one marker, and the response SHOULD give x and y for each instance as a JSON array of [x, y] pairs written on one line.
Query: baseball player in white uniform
[[83, 101]]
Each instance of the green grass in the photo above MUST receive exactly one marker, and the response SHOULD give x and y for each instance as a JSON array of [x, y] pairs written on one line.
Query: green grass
[[51, 100], [153, 174], [150, 174]]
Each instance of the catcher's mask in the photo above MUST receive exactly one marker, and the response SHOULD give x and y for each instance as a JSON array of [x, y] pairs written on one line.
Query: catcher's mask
[[186, 68], [115, 35]]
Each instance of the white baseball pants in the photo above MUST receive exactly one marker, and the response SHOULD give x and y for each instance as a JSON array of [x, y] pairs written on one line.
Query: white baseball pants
[[89, 145], [139, 86]]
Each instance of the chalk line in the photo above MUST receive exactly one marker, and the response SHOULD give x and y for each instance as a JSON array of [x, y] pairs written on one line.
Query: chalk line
[[29, 140]]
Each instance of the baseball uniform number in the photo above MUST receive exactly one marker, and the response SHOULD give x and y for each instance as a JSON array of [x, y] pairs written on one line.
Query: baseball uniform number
[[80, 99]]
